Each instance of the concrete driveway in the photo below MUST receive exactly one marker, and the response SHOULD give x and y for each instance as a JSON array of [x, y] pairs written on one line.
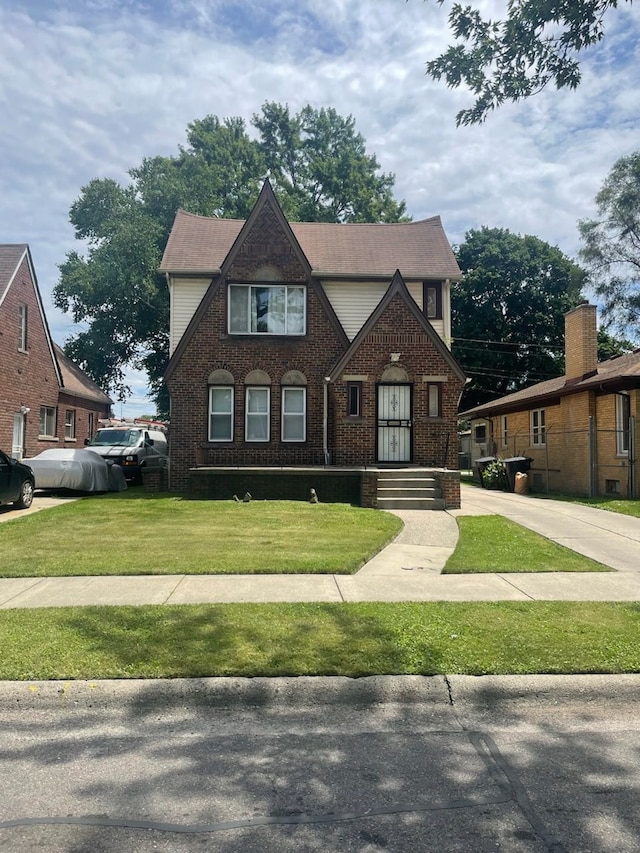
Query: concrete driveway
[[8, 512]]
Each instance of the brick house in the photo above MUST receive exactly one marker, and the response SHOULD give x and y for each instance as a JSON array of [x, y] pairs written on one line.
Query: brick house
[[309, 344], [581, 430], [45, 399]]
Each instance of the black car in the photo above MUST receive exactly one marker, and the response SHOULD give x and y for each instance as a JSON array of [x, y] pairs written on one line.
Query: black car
[[16, 482]]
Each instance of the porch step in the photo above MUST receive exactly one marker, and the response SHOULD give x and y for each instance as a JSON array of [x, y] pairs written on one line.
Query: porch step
[[404, 474], [410, 503], [408, 490]]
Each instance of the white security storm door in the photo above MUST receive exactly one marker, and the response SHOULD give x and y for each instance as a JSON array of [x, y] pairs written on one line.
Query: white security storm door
[[394, 423], [18, 435]]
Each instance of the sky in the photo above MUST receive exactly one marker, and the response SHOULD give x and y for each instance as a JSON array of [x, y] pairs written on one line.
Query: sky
[[88, 88]]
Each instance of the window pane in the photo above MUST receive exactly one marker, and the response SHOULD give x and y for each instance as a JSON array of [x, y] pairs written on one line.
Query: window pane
[[221, 399], [353, 404], [432, 303], [268, 310], [257, 400], [295, 311], [434, 401], [238, 309], [220, 428], [293, 400]]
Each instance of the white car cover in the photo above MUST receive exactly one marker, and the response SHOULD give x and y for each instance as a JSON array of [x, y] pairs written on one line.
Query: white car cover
[[79, 470]]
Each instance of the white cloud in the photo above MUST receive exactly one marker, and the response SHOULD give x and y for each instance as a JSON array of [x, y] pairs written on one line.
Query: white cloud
[[93, 88]]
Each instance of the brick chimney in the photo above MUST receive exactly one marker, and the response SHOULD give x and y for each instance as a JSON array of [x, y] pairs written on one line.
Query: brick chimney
[[580, 342]]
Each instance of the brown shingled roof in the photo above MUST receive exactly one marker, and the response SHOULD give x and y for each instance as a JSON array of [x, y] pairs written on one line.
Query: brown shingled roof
[[76, 381], [10, 256], [617, 373], [200, 244]]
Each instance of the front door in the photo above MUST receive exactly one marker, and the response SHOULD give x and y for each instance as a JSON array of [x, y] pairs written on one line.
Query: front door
[[18, 435], [394, 423]]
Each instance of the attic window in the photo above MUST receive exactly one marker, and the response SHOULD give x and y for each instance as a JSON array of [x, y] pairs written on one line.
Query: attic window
[[267, 310], [432, 300]]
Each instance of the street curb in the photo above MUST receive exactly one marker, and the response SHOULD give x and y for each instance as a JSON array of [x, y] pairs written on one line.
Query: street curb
[[489, 694]]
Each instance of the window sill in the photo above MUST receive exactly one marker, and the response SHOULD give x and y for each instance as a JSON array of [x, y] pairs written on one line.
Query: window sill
[[71, 441], [47, 438]]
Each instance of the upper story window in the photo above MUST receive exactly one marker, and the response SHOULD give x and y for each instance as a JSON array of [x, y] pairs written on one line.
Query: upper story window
[[538, 428], [22, 340], [432, 300], [261, 309]]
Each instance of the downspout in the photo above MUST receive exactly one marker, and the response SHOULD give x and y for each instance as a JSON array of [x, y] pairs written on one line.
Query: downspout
[[325, 419]]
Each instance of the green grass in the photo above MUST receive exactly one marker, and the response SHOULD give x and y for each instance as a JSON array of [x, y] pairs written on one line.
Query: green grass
[[134, 533], [624, 507], [491, 543], [353, 640]]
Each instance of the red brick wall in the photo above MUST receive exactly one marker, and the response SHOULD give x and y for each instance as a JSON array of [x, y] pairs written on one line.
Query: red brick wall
[[434, 439], [26, 378], [211, 348], [29, 379]]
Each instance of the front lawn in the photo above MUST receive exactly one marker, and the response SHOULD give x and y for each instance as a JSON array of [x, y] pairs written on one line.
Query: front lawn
[[624, 507], [136, 533], [352, 640], [491, 543]]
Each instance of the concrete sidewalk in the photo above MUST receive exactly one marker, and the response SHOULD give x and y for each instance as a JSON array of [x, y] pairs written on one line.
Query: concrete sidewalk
[[406, 570]]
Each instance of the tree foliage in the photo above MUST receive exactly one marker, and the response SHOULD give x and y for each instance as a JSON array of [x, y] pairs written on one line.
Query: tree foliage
[[536, 43], [320, 169], [611, 245], [508, 311]]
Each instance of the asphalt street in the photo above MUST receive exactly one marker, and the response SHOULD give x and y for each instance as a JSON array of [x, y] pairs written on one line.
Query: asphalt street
[[514, 764]]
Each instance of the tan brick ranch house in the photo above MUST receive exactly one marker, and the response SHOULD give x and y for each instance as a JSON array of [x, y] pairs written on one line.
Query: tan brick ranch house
[[581, 430], [45, 399], [309, 345]]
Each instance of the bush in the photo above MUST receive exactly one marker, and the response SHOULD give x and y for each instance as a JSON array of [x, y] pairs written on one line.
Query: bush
[[494, 476]]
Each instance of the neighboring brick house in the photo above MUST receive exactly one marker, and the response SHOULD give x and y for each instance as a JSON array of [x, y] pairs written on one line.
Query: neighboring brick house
[[305, 343], [45, 399], [581, 430]]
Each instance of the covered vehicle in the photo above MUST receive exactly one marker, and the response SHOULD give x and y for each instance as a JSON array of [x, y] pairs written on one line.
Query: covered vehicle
[[16, 482], [79, 470]]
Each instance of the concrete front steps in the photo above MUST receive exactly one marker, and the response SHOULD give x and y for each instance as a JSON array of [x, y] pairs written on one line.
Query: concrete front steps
[[408, 489]]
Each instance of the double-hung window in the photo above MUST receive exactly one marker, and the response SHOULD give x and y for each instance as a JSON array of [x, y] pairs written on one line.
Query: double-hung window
[[221, 413], [256, 426], [623, 413], [538, 429], [294, 406], [261, 309], [48, 421]]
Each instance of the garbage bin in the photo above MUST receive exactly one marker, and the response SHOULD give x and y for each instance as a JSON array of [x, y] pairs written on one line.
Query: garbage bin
[[481, 465], [516, 465]]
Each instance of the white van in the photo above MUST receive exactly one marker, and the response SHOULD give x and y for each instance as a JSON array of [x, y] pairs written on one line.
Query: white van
[[132, 446]]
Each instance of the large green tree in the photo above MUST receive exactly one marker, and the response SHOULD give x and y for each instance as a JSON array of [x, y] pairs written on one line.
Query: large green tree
[[320, 169], [536, 43], [508, 311], [611, 245]]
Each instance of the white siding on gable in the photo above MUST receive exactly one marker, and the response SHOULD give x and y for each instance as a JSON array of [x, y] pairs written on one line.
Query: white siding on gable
[[353, 302], [185, 295]]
